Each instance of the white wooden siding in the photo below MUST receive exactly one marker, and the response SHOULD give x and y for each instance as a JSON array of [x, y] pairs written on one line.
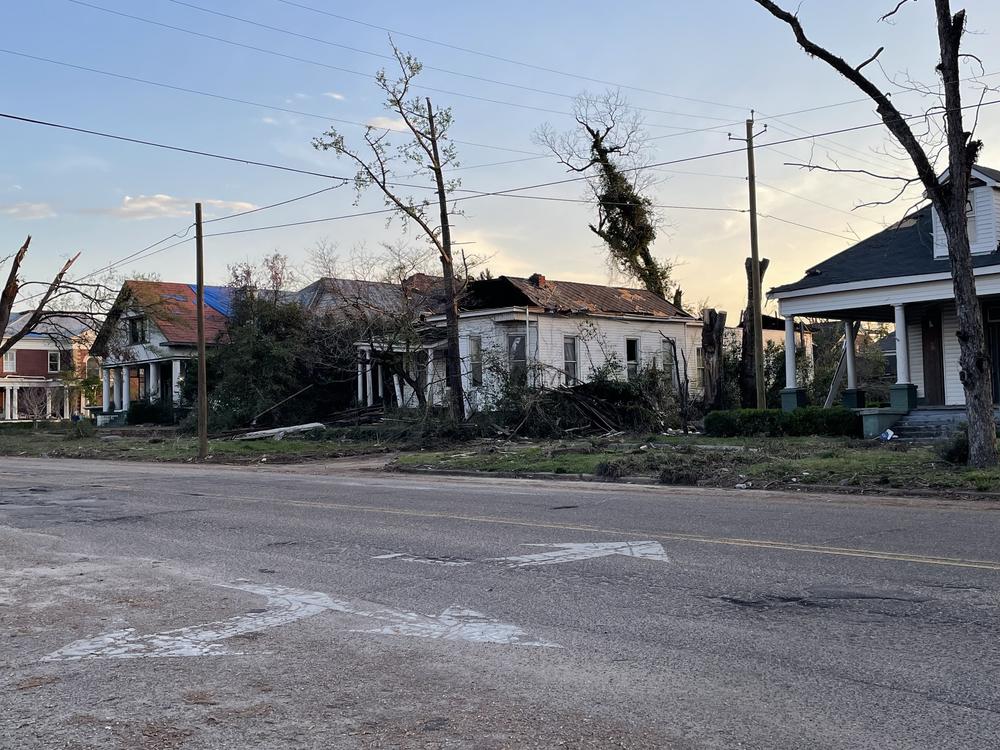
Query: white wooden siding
[[915, 342], [986, 200], [954, 393]]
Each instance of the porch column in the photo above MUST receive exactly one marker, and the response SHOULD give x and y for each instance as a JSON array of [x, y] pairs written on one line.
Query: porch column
[[153, 382], [48, 403], [362, 356], [902, 395], [15, 410], [790, 353], [853, 398], [175, 381], [792, 397], [117, 373], [369, 382], [105, 390], [852, 366], [398, 383], [381, 387], [6, 403], [126, 387]]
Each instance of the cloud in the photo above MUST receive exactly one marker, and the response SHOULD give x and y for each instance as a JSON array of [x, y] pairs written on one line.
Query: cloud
[[159, 206], [386, 123], [28, 211], [15, 188], [268, 121], [335, 96]]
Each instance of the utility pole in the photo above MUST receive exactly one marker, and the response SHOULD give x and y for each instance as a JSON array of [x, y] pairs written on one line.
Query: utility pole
[[202, 368], [758, 332]]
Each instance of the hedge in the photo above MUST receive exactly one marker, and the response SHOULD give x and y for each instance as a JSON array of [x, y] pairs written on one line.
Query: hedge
[[807, 420]]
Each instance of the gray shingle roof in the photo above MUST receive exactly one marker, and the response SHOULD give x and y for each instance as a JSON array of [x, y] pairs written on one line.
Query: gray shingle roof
[[904, 249]]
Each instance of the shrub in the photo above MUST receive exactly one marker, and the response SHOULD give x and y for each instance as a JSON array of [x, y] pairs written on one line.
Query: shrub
[[158, 412], [955, 450], [81, 429], [614, 468], [810, 420]]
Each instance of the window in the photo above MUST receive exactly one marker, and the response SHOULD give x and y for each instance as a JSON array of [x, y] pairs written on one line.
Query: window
[[54, 362], [667, 354], [571, 364], [699, 367], [632, 358], [970, 215], [137, 330], [476, 360], [10, 361], [517, 358]]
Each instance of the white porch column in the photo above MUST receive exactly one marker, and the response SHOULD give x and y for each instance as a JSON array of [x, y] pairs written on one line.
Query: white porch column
[[48, 403], [175, 381], [105, 390], [398, 383], [902, 346], [430, 379], [153, 382], [381, 386], [7, 396], [65, 413], [116, 373], [362, 355], [14, 405], [369, 381], [790, 381], [126, 387], [852, 367]]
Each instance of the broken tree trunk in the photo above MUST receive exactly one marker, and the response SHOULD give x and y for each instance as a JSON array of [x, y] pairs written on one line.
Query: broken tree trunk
[[748, 384], [713, 328]]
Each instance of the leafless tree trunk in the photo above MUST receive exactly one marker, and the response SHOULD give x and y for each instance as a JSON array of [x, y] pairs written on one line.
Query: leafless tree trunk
[[748, 373], [947, 194], [430, 151], [713, 329]]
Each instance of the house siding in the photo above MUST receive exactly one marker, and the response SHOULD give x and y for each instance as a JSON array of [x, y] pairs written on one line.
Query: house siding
[[954, 393], [986, 200], [914, 338]]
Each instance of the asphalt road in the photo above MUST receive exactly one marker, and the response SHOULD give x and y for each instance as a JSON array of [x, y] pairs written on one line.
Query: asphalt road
[[181, 606]]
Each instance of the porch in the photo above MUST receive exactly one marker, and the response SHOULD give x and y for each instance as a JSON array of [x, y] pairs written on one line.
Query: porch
[[27, 398], [153, 381]]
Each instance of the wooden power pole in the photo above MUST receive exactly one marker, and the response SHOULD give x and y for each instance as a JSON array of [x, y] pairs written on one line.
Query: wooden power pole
[[758, 332], [202, 368]]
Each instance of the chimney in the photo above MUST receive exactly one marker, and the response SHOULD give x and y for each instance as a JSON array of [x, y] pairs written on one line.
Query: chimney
[[537, 280]]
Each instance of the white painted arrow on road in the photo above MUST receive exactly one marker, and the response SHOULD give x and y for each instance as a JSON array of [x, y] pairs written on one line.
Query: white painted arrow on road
[[572, 551], [285, 605]]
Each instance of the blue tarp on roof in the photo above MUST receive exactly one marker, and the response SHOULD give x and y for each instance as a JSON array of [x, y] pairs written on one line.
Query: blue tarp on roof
[[219, 298]]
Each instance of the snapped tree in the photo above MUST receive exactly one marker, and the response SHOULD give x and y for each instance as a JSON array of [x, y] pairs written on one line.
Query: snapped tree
[[609, 147], [948, 193], [428, 152]]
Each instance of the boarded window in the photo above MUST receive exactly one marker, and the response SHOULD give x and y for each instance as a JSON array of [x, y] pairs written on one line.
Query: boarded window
[[632, 358], [571, 364], [476, 360], [517, 358]]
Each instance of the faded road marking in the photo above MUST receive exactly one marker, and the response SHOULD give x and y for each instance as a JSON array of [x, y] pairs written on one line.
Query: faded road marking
[[403, 557], [572, 551], [286, 605]]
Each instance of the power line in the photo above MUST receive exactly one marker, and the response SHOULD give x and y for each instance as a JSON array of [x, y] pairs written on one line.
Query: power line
[[308, 61], [447, 71], [806, 226], [234, 100], [274, 205], [511, 61]]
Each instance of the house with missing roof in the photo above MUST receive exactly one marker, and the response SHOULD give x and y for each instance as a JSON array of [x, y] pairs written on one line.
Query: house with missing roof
[[546, 332], [148, 339], [42, 374], [902, 276]]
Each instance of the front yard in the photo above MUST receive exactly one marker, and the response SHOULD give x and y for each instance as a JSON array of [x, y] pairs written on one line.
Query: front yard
[[852, 465]]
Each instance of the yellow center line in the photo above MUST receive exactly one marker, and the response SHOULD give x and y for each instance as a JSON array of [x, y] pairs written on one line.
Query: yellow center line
[[817, 549]]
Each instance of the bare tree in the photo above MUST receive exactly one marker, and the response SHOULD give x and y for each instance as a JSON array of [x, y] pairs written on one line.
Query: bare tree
[[429, 150], [948, 194], [610, 147], [41, 309]]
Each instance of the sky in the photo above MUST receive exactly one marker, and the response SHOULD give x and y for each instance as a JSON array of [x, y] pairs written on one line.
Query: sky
[[504, 70]]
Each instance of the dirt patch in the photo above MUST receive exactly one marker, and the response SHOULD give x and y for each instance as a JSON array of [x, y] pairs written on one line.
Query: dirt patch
[[35, 682]]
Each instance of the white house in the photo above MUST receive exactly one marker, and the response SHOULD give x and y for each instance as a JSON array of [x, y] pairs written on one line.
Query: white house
[[548, 332], [902, 276], [148, 338]]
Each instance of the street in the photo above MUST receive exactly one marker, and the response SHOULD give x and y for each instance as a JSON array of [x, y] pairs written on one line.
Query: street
[[163, 606]]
